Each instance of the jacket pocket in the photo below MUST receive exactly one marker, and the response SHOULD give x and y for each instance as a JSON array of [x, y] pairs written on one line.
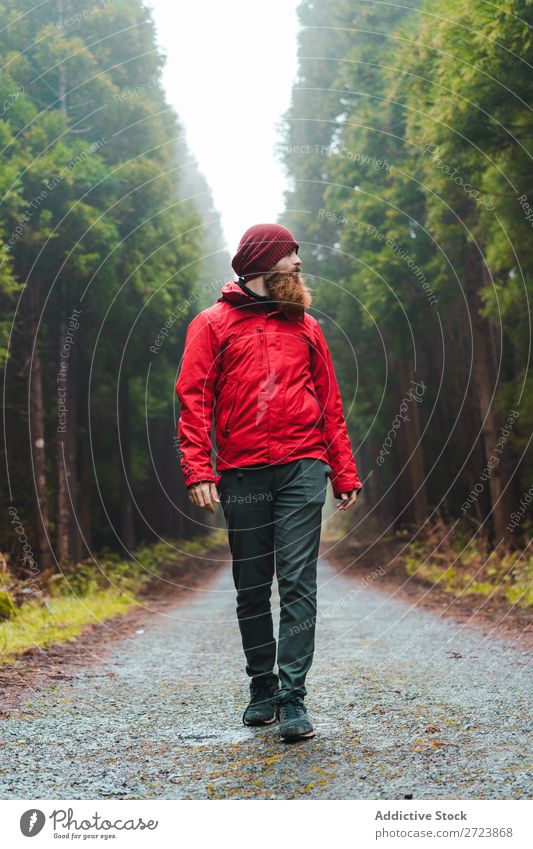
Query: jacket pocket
[[317, 402], [227, 420]]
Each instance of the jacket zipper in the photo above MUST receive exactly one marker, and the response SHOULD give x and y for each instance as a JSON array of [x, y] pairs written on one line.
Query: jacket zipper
[[261, 342]]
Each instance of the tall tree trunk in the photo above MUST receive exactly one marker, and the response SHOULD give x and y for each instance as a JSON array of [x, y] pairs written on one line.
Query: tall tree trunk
[[410, 498], [67, 534], [167, 485], [37, 434], [127, 530], [372, 486], [417, 510], [395, 459], [65, 438], [72, 447], [497, 450], [84, 490]]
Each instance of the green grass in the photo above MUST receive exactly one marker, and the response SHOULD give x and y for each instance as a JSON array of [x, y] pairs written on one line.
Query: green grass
[[475, 570], [85, 593], [60, 619]]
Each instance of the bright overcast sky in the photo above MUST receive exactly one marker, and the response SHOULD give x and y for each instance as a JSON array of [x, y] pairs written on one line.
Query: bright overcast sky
[[229, 72]]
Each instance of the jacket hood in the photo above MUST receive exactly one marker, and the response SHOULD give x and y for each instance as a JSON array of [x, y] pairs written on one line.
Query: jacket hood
[[232, 292]]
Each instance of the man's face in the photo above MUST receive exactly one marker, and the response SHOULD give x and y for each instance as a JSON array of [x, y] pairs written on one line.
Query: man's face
[[290, 262]]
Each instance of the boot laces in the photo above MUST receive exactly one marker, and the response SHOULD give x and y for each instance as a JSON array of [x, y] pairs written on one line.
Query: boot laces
[[292, 709]]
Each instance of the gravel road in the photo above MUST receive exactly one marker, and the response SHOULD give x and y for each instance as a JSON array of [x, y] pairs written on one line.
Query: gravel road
[[405, 705]]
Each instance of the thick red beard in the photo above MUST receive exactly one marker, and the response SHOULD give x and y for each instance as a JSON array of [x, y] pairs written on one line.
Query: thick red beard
[[289, 290]]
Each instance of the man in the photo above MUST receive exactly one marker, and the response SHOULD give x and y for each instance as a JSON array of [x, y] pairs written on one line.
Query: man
[[262, 360]]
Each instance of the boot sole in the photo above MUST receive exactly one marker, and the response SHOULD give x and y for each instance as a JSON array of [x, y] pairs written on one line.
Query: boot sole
[[258, 722], [293, 738]]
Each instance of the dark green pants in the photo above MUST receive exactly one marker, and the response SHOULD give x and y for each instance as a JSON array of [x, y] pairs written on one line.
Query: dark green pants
[[273, 515]]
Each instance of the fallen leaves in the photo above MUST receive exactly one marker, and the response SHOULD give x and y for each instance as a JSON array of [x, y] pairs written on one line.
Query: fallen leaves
[[429, 745]]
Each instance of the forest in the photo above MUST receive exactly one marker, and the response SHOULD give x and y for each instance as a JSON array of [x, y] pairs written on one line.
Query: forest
[[408, 153]]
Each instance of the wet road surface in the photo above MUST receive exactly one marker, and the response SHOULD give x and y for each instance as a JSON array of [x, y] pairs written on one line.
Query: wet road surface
[[404, 705]]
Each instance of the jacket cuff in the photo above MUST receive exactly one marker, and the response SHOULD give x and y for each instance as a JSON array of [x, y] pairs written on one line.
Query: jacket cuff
[[198, 478], [341, 486]]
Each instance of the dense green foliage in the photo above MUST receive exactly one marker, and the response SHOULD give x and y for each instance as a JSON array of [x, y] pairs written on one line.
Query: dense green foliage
[[103, 265], [408, 145]]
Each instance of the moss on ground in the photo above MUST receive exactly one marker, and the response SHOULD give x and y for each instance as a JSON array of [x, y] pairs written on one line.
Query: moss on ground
[[88, 592]]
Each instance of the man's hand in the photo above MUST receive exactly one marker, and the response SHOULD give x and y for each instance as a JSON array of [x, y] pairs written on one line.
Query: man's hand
[[201, 493], [348, 499]]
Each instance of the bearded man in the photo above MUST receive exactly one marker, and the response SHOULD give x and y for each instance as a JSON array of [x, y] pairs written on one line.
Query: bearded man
[[262, 361]]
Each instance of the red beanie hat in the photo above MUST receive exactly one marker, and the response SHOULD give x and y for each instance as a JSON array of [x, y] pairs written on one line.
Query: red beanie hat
[[261, 247]]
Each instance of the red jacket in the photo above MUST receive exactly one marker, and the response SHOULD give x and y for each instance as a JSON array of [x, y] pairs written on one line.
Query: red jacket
[[274, 388]]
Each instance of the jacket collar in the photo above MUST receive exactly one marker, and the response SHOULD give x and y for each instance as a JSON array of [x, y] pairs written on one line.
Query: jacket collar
[[234, 294]]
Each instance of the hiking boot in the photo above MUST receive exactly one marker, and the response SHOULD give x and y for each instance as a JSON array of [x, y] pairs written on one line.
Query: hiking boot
[[294, 723], [262, 707]]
